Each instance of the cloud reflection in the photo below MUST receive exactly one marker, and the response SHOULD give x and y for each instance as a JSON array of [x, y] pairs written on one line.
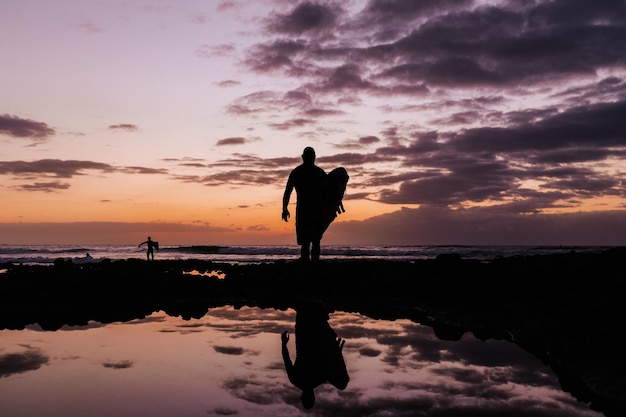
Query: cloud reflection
[[124, 364], [424, 375], [16, 363]]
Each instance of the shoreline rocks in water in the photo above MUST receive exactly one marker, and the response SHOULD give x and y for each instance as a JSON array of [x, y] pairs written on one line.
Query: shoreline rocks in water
[[565, 309]]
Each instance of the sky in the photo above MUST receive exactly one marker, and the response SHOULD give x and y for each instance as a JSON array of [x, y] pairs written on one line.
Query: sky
[[470, 122]]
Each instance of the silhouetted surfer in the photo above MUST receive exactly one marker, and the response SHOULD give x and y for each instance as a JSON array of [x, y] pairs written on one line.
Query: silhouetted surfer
[[319, 200], [309, 180], [151, 246]]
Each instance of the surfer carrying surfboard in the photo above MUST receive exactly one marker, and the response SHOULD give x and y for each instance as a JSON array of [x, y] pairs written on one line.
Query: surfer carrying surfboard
[[309, 180], [151, 246]]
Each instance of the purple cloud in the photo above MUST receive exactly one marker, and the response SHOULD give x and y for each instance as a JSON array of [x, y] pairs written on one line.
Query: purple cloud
[[24, 128]]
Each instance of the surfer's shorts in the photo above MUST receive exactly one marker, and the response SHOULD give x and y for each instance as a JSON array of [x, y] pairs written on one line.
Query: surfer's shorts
[[308, 226]]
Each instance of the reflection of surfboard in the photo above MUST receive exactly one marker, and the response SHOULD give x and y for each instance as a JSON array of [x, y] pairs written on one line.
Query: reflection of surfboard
[[333, 196]]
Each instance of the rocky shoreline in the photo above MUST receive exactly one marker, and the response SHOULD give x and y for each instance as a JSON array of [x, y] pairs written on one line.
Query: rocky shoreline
[[564, 309]]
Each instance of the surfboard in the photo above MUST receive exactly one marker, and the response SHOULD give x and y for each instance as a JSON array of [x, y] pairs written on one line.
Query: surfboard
[[156, 245], [337, 181]]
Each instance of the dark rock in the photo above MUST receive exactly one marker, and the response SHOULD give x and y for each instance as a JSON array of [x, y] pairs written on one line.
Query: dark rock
[[565, 309]]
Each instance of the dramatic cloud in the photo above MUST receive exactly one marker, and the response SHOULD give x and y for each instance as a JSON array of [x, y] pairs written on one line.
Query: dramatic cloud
[[462, 106], [306, 17], [471, 66], [24, 128]]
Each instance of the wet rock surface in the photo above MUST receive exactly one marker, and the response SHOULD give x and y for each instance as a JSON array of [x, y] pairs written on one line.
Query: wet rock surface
[[565, 309]]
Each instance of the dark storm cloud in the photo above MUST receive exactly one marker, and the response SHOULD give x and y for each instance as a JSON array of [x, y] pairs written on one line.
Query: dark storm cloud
[[24, 128], [451, 43], [599, 125], [566, 148], [306, 17], [489, 163], [499, 46], [392, 48], [17, 363]]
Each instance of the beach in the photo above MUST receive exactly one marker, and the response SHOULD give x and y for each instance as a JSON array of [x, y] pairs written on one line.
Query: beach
[[565, 309]]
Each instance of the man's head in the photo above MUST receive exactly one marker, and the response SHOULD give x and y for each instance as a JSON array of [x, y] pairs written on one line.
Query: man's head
[[308, 155]]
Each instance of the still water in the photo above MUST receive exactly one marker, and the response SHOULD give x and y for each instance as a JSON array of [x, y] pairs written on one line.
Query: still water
[[230, 363]]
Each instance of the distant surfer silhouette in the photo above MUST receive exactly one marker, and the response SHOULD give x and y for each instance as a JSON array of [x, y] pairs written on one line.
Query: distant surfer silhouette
[[309, 181], [319, 357], [152, 245]]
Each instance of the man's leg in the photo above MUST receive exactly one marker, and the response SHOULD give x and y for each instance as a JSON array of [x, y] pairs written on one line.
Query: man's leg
[[315, 251], [304, 252]]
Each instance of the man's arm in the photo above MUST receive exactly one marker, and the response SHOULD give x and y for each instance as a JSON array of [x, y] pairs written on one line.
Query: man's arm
[[286, 197]]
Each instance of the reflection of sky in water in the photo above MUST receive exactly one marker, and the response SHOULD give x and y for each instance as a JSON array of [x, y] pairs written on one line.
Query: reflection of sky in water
[[229, 364]]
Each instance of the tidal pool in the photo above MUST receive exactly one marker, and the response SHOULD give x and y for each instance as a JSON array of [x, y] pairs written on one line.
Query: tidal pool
[[230, 363]]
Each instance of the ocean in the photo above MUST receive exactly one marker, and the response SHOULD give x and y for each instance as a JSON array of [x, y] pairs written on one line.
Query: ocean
[[39, 254]]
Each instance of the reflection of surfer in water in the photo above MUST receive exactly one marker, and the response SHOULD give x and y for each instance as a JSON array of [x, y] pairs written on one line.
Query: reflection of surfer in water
[[318, 354], [318, 201], [152, 245]]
